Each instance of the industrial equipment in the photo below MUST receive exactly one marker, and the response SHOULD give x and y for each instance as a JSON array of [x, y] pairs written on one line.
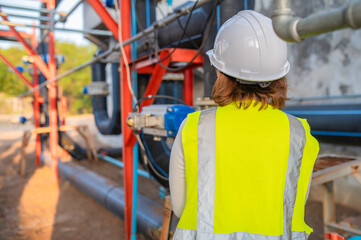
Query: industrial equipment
[[144, 82], [155, 128]]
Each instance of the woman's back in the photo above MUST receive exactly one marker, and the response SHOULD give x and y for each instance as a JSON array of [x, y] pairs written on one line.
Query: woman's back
[[240, 165]]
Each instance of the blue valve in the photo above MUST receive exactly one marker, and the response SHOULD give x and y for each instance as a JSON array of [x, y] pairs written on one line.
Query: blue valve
[[20, 68], [85, 90]]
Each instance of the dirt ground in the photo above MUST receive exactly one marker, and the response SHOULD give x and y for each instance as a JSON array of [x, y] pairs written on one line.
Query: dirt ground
[[36, 208]]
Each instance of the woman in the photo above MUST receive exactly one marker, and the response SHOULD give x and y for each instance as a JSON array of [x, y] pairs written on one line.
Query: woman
[[242, 170]]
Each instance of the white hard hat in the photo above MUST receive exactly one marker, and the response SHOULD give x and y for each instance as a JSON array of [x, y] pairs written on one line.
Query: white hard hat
[[247, 48]]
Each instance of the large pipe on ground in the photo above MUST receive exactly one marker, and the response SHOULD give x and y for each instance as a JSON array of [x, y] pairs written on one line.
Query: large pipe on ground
[[291, 28], [106, 193], [331, 122]]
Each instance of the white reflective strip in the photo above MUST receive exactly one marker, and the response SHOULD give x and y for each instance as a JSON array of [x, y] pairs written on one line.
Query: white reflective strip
[[206, 170], [185, 234], [297, 144]]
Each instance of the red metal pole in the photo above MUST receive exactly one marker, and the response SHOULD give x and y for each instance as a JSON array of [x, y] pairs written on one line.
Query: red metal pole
[[156, 79], [37, 59], [34, 43], [16, 71], [64, 106], [106, 17], [52, 94], [126, 108], [188, 87]]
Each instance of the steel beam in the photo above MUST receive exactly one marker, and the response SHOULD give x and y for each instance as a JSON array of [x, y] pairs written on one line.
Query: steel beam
[[156, 79], [126, 108], [157, 25], [65, 16], [25, 16], [11, 34], [106, 17], [52, 94], [45, 27], [36, 103], [37, 59], [188, 87], [17, 72], [41, 10]]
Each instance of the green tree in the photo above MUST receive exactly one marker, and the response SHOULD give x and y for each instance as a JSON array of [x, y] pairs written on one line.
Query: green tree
[[70, 86], [10, 83]]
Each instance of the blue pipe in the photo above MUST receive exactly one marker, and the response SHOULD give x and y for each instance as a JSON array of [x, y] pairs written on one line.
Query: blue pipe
[[338, 134], [245, 4], [147, 12], [151, 158], [121, 165], [136, 147]]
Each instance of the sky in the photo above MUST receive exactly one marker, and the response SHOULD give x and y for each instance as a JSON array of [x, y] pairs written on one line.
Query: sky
[[75, 21]]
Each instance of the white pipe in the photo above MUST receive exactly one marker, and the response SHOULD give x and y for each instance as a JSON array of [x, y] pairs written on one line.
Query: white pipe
[[291, 28]]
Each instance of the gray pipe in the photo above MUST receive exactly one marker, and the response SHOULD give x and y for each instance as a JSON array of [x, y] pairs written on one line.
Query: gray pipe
[[291, 28], [149, 214]]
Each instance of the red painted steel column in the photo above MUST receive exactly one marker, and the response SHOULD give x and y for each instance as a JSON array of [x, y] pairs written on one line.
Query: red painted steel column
[[52, 95], [64, 107], [105, 16], [17, 72], [36, 103], [126, 108], [188, 87], [156, 79]]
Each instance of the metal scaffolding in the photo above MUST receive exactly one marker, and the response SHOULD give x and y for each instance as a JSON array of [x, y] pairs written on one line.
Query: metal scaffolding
[[51, 17]]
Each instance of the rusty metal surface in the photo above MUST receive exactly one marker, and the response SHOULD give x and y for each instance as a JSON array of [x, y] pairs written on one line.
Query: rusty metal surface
[[329, 168], [330, 161]]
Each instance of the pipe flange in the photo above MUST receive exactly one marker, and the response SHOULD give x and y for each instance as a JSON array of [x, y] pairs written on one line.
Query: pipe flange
[[293, 29], [349, 17]]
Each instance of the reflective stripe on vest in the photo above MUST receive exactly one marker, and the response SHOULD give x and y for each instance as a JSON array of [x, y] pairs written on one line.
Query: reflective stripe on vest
[[197, 221]]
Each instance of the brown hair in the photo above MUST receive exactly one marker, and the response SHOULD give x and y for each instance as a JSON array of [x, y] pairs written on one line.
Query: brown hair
[[227, 90]]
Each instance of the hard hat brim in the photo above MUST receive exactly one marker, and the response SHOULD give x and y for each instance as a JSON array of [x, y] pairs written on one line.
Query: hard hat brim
[[251, 77]]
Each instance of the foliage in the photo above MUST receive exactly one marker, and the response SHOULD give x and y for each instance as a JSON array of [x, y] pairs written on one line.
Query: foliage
[[9, 82], [70, 86]]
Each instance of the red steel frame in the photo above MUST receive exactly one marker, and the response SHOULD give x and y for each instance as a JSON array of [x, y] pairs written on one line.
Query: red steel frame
[[142, 65], [16, 71], [11, 34], [188, 87], [52, 95], [126, 108], [37, 59], [49, 71], [105, 16], [37, 103]]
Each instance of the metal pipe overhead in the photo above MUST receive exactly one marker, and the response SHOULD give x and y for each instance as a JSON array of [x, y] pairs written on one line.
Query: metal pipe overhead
[[63, 18], [299, 99], [94, 32], [24, 16], [41, 10], [155, 26], [291, 28]]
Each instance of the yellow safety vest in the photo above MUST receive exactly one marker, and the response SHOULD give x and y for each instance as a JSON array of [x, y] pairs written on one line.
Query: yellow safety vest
[[247, 174]]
